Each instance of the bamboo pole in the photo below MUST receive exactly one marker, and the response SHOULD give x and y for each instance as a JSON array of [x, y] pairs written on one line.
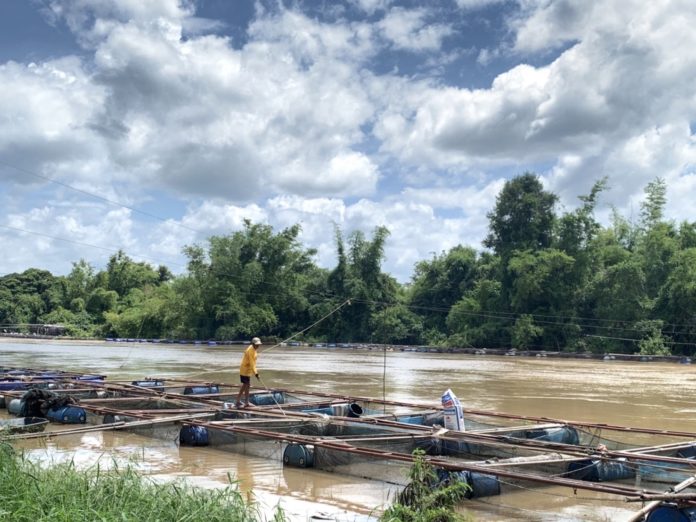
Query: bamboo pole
[[640, 515], [111, 426]]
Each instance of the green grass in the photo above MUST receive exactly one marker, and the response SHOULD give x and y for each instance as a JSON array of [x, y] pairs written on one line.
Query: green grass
[[61, 493]]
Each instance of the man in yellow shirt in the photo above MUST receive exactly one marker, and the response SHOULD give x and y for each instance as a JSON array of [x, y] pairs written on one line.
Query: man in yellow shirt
[[246, 370]]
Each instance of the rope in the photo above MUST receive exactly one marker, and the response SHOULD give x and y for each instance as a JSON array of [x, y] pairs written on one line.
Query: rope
[[344, 303]]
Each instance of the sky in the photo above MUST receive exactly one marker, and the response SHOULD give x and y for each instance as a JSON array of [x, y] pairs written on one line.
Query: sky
[[149, 126]]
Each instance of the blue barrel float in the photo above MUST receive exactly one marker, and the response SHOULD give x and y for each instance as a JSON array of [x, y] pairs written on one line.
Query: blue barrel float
[[155, 385], [688, 452], [299, 455], [14, 406], [191, 435], [480, 484], [267, 399], [598, 470], [671, 513], [200, 390], [13, 385], [67, 415]]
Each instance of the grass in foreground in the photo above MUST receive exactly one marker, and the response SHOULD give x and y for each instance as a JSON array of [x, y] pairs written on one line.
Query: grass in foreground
[[62, 493]]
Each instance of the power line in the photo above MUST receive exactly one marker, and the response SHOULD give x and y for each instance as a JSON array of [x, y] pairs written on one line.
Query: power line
[[97, 196], [17, 229]]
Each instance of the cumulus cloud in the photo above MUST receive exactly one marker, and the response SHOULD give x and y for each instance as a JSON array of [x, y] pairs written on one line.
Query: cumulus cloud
[[301, 123], [410, 30], [622, 77]]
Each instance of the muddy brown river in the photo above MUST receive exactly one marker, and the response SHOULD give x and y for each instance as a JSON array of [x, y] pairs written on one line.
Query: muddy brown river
[[655, 395]]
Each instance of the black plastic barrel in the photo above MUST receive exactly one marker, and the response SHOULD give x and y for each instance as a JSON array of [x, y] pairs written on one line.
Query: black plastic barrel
[[110, 418], [298, 455], [354, 410], [600, 470], [200, 390], [190, 435], [671, 513], [67, 415]]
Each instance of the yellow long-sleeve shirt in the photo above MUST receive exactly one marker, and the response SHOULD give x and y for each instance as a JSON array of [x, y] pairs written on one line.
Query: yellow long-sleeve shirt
[[248, 366]]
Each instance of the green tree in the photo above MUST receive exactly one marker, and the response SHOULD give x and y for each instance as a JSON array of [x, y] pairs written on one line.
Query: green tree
[[525, 331], [439, 283], [523, 217], [396, 325], [123, 274], [358, 276]]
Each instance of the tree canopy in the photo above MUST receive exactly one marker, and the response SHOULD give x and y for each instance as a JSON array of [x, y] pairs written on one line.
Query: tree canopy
[[545, 280]]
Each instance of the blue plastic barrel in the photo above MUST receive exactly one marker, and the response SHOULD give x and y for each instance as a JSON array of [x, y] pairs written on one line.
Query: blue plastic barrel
[[14, 406], [267, 399], [298, 455], [12, 385], [562, 435], [480, 484], [67, 415], [200, 390], [155, 385], [670, 513], [190, 435], [687, 453], [600, 470], [91, 378]]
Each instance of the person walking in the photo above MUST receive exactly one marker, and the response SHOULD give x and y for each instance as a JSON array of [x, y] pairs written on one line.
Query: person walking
[[246, 369]]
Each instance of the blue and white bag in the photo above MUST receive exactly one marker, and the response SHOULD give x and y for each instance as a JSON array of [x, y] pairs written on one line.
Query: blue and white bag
[[454, 417]]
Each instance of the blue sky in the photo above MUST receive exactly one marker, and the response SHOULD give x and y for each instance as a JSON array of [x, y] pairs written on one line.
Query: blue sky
[[153, 125]]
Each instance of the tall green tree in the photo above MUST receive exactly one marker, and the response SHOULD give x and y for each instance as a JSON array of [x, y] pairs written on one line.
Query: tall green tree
[[523, 217], [437, 284]]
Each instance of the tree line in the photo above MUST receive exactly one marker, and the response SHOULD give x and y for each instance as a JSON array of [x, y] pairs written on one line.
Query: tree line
[[546, 280]]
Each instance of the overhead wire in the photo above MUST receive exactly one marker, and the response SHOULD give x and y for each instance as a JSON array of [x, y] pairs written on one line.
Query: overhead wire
[[96, 196]]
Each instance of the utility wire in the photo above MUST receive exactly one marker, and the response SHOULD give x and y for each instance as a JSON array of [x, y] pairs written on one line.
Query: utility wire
[[106, 249], [96, 196]]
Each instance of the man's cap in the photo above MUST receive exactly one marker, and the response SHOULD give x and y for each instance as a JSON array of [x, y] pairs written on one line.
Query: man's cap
[[256, 341]]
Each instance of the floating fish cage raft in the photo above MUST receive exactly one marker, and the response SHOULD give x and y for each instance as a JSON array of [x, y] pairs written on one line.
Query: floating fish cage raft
[[365, 437]]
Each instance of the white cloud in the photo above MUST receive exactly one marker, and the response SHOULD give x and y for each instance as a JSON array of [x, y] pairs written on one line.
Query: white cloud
[[284, 127], [410, 30], [476, 4]]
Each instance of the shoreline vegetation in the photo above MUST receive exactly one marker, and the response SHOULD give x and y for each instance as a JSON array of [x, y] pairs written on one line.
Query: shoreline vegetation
[[62, 493], [546, 281]]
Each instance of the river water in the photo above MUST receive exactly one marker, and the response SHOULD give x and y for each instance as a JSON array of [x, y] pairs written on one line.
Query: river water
[[655, 395]]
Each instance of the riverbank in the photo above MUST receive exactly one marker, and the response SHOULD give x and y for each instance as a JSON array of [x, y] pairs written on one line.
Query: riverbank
[[498, 352]]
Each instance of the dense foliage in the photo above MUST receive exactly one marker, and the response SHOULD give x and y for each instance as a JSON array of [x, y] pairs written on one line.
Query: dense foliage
[[546, 281]]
